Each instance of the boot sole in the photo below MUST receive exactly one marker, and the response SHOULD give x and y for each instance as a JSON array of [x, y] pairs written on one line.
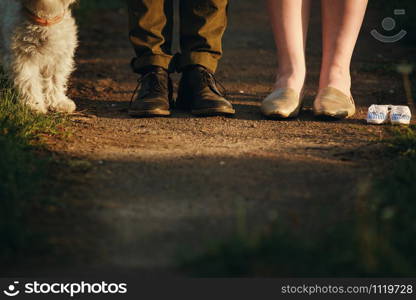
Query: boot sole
[[149, 113], [209, 112]]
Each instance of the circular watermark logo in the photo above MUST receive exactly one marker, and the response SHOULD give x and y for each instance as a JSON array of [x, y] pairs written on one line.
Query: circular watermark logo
[[12, 290], [389, 24]]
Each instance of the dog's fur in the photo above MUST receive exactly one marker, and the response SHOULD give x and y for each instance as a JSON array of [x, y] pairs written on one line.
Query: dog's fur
[[39, 59]]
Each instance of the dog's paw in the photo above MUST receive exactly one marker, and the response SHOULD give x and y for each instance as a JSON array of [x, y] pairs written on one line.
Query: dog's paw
[[65, 105], [37, 107]]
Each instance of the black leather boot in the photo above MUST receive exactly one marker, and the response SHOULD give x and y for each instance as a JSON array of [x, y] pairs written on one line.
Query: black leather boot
[[198, 93], [153, 94]]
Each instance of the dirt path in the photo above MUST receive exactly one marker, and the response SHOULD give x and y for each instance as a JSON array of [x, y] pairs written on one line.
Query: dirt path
[[145, 188]]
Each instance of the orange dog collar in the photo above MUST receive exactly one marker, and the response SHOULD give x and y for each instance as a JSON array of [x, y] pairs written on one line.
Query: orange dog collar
[[41, 21]]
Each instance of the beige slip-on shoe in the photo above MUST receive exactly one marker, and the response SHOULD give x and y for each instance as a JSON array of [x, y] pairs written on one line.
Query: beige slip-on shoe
[[333, 103], [282, 103]]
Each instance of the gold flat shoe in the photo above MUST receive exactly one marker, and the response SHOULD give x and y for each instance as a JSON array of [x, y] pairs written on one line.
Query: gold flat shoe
[[282, 103], [333, 103]]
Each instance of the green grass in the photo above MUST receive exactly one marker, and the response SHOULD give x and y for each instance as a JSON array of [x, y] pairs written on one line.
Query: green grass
[[24, 163], [377, 241], [22, 169]]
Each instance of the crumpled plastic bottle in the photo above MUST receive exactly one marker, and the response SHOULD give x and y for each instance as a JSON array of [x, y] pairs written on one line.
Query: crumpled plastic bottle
[[378, 114], [395, 114], [400, 115]]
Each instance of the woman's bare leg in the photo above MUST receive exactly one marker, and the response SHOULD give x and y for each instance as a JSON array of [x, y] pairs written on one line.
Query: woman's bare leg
[[290, 19], [342, 20]]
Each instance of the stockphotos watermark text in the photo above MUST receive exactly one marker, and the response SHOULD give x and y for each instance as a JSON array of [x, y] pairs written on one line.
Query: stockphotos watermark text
[[71, 289]]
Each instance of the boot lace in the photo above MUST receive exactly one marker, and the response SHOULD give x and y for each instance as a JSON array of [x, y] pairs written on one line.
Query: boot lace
[[210, 80], [152, 83]]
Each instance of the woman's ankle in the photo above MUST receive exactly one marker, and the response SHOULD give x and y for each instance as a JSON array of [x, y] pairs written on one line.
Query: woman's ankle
[[337, 78], [293, 80]]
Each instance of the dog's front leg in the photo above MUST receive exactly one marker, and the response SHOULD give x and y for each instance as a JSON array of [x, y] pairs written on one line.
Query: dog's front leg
[[26, 79], [55, 87]]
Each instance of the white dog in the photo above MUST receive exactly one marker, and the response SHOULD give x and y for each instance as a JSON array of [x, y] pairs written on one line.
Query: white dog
[[38, 39]]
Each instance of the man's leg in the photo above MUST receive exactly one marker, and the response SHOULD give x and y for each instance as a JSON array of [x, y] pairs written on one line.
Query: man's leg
[[151, 25], [203, 23]]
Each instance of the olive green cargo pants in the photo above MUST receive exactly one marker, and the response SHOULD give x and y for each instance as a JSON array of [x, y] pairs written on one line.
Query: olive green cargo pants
[[202, 25]]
